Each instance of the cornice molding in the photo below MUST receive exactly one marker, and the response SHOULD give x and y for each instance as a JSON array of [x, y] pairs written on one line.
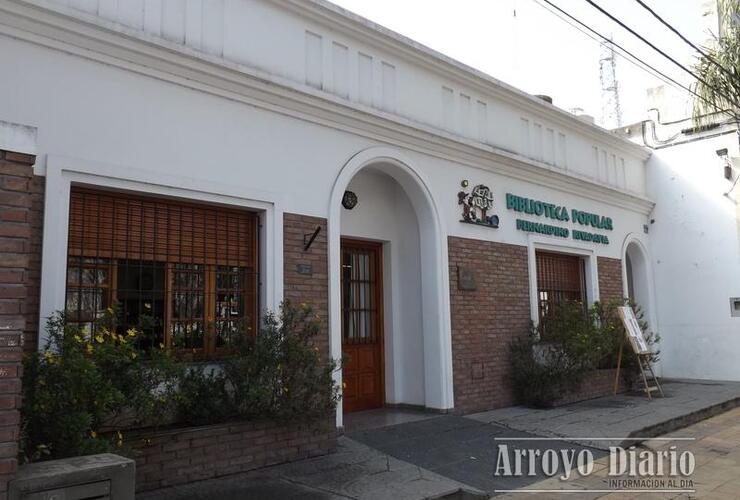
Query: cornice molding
[[337, 18], [62, 28]]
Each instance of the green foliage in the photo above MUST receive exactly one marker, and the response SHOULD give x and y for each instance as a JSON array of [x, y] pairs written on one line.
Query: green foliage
[[540, 372], [83, 390], [83, 384], [570, 342], [720, 89], [276, 374], [202, 397]]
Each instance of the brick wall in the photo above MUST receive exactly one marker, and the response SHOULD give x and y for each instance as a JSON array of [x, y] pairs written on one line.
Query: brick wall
[[596, 384], [180, 456], [484, 320], [21, 203], [610, 279], [311, 288]]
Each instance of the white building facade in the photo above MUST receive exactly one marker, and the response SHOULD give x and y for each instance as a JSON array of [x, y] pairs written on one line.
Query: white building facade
[[695, 238], [279, 108]]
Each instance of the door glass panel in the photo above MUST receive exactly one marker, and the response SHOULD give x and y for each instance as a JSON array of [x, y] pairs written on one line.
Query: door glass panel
[[359, 291]]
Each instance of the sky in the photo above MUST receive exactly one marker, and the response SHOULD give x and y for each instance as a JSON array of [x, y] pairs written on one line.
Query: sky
[[529, 47]]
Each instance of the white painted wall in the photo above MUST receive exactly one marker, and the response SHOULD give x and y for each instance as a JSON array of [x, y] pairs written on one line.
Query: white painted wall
[[179, 124], [339, 54], [696, 259], [384, 213]]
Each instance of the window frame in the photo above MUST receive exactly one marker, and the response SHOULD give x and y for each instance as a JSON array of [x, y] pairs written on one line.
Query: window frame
[[250, 291], [564, 292]]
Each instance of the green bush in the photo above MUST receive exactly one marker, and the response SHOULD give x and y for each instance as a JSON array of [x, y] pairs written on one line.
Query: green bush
[[85, 388], [276, 374], [202, 397], [541, 373], [570, 342]]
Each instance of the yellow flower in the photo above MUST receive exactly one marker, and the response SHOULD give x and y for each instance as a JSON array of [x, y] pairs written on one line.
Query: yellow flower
[[147, 305], [161, 345], [133, 355], [77, 339], [89, 348], [49, 357], [99, 338], [131, 332], [93, 434]]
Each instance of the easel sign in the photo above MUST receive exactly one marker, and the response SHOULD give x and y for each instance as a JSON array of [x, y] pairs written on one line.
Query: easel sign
[[634, 332], [642, 351]]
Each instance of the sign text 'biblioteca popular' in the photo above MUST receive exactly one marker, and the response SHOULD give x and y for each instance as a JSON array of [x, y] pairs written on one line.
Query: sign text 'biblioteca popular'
[[558, 213]]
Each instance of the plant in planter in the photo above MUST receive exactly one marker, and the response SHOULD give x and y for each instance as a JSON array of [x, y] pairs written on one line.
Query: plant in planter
[[569, 342], [85, 388], [555, 355], [277, 374]]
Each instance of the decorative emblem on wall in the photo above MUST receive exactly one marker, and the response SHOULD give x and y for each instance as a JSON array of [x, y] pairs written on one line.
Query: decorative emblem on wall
[[476, 205]]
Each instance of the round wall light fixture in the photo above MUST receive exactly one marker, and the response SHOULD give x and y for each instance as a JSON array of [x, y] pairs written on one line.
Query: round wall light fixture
[[349, 200]]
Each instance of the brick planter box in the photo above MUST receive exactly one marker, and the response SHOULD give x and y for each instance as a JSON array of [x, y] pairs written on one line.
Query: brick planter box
[[596, 384], [177, 456]]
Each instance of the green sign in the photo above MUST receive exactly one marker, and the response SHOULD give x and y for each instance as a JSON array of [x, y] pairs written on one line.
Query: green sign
[[558, 213]]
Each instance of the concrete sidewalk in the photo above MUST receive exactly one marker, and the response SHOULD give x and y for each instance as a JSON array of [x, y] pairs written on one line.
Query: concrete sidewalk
[[461, 449], [355, 471], [438, 456], [625, 415]]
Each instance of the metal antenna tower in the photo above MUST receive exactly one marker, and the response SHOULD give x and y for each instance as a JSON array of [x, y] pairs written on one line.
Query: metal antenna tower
[[611, 112]]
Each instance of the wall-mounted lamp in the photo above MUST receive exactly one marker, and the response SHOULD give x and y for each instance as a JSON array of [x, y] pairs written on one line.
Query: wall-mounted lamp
[[349, 200], [729, 171], [722, 153]]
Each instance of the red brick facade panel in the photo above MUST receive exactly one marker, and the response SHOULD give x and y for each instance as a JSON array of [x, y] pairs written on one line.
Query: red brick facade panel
[[181, 456], [596, 384], [21, 205], [610, 279], [305, 272], [485, 319]]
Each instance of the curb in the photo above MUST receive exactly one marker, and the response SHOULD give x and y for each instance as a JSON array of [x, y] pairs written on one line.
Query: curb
[[681, 421]]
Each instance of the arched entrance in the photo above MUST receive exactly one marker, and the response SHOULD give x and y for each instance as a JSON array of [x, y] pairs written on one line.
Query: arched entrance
[[394, 233], [637, 277]]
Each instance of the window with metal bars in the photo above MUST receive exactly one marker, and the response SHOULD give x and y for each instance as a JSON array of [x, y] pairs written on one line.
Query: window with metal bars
[[560, 278], [185, 274]]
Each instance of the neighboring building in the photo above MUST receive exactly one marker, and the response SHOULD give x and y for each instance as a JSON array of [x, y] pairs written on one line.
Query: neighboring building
[[695, 237], [198, 157]]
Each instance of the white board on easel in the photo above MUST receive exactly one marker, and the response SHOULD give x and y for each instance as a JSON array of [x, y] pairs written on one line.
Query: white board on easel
[[634, 332]]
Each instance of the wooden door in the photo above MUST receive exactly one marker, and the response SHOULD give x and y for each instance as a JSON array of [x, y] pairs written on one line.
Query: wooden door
[[362, 325]]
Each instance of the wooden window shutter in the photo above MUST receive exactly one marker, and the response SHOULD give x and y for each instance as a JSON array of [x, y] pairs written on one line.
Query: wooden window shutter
[[118, 226]]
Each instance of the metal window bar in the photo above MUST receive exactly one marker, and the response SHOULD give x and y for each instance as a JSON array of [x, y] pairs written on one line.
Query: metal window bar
[[560, 278], [136, 245]]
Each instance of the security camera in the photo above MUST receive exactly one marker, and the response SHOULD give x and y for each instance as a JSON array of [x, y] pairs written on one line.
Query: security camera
[[721, 152]]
